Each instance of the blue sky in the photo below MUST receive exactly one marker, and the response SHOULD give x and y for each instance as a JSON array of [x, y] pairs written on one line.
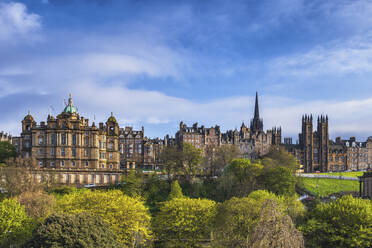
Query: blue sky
[[155, 63]]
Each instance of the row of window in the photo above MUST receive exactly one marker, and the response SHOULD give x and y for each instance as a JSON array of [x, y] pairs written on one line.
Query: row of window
[[73, 164], [63, 152]]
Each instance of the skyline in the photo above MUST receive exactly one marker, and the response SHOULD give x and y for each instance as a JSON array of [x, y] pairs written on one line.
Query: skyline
[[156, 64]]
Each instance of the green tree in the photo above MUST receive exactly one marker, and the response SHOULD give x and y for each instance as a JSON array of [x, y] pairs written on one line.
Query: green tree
[[7, 151], [171, 158], [184, 222], [15, 225], [279, 180], [156, 190], [176, 191], [237, 217], [127, 216], [280, 158], [75, 230], [191, 159], [346, 222], [132, 184], [217, 158]]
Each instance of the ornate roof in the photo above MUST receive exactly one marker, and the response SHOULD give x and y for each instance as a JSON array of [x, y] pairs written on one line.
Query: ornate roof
[[112, 118], [28, 117]]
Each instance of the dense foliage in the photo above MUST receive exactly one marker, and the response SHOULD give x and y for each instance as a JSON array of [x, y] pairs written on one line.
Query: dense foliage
[[346, 222], [73, 230], [37, 204], [7, 151], [176, 191], [15, 225], [237, 217], [184, 222], [127, 216]]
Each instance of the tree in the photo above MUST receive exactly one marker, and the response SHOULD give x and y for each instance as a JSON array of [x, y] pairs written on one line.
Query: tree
[[275, 229], [127, 216], [75, 230], [241, 177], [216, 158], [279, 180], [237, 217], [18, 177], [346, 222], [156, 190], [176, 191], [191, 159], [171, 161], [132, 183], [37, 204], [7, 151], [184, 222], [280, 157], [15, 225]]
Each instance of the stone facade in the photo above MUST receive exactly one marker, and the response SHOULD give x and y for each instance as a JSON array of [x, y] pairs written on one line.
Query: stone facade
[[252, 142], [5, 137]]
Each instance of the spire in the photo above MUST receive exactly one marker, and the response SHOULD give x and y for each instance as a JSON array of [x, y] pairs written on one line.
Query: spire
[[256, 123], [256, 110]]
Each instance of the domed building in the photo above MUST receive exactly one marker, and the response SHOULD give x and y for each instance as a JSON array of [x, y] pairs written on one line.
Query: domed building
[[68, 142]]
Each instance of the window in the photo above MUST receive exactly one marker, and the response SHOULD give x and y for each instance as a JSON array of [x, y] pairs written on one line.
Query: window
[[110, 166], [54, 139], [63, 152], [62, 163], [73, 150], [102, 166], [40, 140], [86, 152], [74, 139], [73, 163], [63, 139], [102, 155], [53, 151], [110, 155], [27, 155], [27, 144], [86, 141], [52, 164], [41, 163], [86, 164], [111, 145], [40, 152]]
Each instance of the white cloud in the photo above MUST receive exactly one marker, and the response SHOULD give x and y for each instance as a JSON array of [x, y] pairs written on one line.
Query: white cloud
[[339, 57], [15, 21]]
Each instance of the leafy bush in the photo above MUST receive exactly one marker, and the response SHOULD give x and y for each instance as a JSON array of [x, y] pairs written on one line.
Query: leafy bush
[[37, 204], [76, 230], [346, 222], [127, 216], [15, 225], [184, 222]]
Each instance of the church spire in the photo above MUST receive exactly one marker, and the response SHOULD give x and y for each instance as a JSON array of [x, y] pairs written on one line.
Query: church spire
[[256, 123], [256, 110]]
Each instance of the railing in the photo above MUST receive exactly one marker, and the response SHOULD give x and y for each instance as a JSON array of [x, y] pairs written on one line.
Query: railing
[[327, 176]]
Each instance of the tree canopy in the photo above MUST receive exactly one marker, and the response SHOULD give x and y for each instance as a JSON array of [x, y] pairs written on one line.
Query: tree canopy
[[7, 151], [127, 216], [176, 191], [345, 222], [73, 230], [15, 225], [184, 222]]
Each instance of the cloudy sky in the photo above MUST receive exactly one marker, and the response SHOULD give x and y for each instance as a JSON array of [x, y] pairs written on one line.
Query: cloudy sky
[[155, 63]]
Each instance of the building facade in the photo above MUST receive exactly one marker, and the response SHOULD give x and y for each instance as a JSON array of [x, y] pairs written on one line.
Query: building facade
[[252, 141]]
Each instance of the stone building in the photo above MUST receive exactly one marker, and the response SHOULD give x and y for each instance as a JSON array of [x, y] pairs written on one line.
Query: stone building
[[5, 137], [131, 147], [252, 142], [314, 145], [69, 142]]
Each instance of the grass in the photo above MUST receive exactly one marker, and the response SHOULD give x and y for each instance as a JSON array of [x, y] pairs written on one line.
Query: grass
[[344, 174], [323, 186]]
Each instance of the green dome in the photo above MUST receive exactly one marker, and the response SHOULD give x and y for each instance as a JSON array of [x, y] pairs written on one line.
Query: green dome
[[70, 108]]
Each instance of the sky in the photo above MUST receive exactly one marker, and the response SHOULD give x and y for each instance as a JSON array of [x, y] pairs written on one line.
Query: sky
[[156, 63]]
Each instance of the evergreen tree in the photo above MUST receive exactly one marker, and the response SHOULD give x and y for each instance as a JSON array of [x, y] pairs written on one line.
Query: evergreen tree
[[176, 191]]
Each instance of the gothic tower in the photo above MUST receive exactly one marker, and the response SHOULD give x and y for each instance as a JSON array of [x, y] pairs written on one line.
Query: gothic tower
[[256, 123], [306, 142], [323, 137]]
